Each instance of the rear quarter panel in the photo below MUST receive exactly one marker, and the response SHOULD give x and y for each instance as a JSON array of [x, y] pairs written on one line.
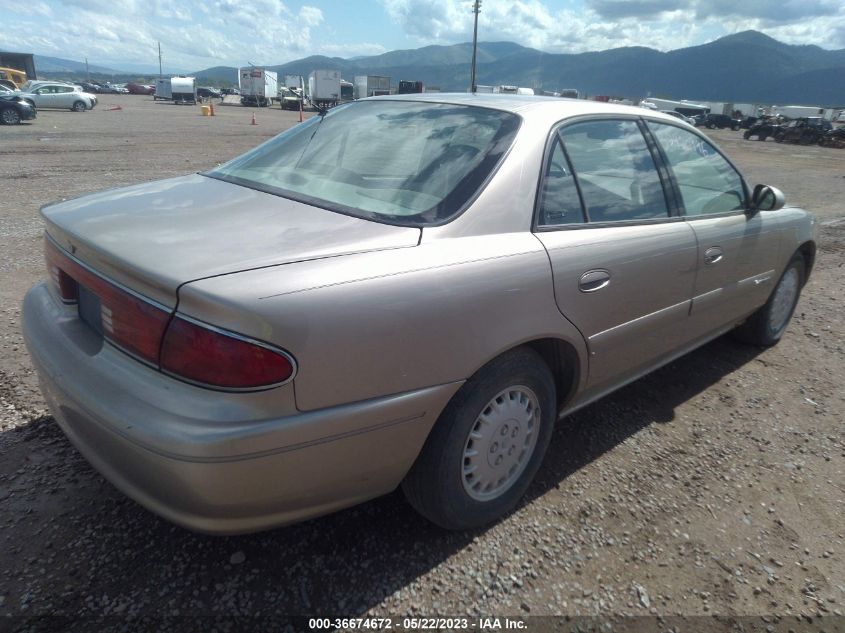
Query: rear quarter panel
[[373, 324]]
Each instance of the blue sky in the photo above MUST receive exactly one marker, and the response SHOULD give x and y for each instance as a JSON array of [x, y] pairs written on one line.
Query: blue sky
[[197, 34]]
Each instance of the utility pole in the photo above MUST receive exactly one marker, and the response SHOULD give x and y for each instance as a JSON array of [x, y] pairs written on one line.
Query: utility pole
[[476, 9], [87, 73], [159, 60]]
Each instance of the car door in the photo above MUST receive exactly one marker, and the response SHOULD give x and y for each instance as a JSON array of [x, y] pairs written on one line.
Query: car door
[[737, 249], [44, 97], [66, 96], [623, 265]]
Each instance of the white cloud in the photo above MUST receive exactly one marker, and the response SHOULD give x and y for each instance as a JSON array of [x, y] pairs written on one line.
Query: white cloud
[[431, 20], [310, 16], [27, 8], [602, 24], [351, 50]]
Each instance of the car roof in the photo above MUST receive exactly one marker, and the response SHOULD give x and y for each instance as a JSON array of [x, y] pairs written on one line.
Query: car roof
[[553, 108]]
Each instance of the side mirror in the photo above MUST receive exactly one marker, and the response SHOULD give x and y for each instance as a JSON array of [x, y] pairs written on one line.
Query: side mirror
[[766, 198]]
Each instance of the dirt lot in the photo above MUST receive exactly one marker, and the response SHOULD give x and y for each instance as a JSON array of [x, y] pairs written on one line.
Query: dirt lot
[[713, 486]]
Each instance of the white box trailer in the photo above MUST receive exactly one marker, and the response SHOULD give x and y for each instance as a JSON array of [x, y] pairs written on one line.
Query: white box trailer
[[258, 86], [324, 87], [177, 89], [162, 89], [795, 112], [294, 81], [370, 86]]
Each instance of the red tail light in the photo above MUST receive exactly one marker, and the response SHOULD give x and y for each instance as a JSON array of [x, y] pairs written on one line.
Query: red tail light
[[64, 285], [194, 352], [220, 359], [131, 322]]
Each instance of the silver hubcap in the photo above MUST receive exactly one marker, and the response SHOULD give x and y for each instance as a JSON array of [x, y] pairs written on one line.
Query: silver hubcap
[[500, 443], [783, 300]]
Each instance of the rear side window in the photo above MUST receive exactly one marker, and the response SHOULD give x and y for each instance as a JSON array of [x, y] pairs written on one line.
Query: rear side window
[[615, 171], [708, 182], [559, 201]]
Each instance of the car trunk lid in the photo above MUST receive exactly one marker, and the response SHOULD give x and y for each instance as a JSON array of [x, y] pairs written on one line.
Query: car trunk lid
[[157, 236]]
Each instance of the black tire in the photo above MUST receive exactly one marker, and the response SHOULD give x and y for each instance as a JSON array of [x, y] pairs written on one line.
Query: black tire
[[747, 135], [766, 326], [762, 137], [79, 106], [9, 116], [437, 485]]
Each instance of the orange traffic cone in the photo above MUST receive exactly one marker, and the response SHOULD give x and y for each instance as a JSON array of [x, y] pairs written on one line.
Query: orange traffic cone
[[253, 119]]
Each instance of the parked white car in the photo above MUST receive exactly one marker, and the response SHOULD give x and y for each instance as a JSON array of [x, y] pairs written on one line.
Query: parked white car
[[60, 96]]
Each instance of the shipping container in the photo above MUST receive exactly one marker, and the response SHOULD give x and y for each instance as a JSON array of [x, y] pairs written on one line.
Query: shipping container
[[370, 86], [410, 87]]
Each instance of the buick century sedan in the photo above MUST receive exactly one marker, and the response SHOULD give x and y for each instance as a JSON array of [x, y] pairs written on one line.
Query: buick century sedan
[[405, 291]]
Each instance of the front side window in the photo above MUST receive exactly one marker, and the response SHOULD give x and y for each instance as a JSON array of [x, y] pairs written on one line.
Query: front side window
[[708, 182], [402, 162], [615, 171]]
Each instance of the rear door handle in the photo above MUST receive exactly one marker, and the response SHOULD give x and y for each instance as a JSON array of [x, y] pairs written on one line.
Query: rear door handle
[[713, 255], [593, 280]]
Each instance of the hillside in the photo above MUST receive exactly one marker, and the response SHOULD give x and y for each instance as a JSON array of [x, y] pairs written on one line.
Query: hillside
[[747, 66], [744, 67]]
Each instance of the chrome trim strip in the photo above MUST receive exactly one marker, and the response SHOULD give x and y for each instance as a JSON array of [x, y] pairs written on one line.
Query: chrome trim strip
[[645, 317], [757, 279], [116, 284]]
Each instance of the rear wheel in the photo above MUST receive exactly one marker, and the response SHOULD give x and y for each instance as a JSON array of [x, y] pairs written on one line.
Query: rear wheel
[[10, 116], [766, 326], [487, 444], [79, 106]]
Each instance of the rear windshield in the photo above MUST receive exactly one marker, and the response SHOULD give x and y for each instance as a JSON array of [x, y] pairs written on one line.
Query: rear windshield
[[400, 162]]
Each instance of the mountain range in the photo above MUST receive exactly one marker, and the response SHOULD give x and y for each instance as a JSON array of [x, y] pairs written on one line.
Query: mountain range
[[744, 67]]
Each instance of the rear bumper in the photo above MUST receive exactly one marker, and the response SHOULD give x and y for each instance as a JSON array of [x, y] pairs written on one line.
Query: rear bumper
[[217, 462]]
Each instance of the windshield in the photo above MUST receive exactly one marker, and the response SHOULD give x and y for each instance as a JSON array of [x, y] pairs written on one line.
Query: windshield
[[400, 162]]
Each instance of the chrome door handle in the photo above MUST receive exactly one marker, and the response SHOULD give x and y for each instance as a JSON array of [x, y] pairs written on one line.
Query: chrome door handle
[[593, 280], [713, 255]]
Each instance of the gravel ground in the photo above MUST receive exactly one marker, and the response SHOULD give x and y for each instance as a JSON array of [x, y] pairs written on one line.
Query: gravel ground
[[714, 486]]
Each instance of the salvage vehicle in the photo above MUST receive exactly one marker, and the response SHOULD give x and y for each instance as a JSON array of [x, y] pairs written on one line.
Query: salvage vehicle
[[60, 96], [403, 291], [290, 98], [722, 121], [833, 138], [680, 117], [804, 130], [14, 109], [764, 128], [140, 89]]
